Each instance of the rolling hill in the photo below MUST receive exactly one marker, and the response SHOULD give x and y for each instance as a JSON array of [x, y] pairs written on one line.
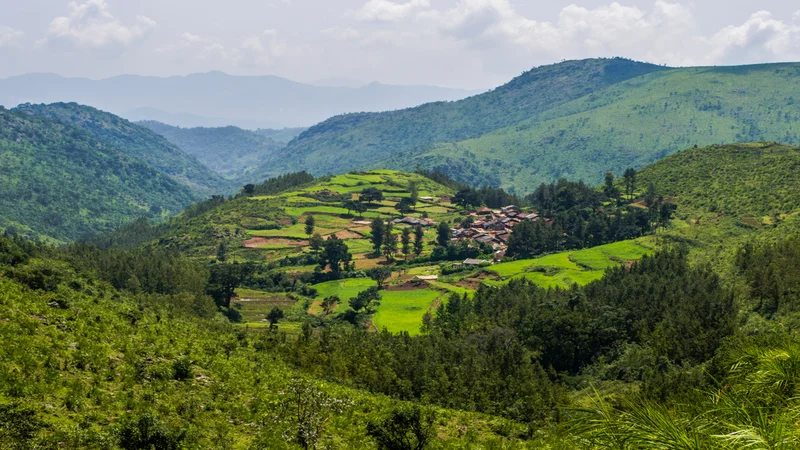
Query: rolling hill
[[59, 181], [575, 119], [218, 99], [137, 141], [229, 151]]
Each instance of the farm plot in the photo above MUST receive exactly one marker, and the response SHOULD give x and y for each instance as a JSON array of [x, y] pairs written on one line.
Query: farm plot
[[403, 310]]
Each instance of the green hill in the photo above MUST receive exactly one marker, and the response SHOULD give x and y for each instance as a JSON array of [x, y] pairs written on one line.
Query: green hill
[[229, 151], [576, 119], [136, 141], [741, 180], [60, 182]]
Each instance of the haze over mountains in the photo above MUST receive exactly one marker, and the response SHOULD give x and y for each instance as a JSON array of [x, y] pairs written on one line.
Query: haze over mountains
[[218, 99]]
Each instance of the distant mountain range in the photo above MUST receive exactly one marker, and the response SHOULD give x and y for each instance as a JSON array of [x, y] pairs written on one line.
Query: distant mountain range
[[230, 151], [576, 120], [217, 99]]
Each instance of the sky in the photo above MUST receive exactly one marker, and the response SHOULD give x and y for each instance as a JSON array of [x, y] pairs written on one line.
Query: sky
[[471, 44]]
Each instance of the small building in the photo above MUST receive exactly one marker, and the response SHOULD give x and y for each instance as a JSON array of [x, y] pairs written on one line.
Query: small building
[[510, 209], [503, 237], [426, 277], [484, 212], [474, 262], [499, 255], [427, 199], [531, 216]]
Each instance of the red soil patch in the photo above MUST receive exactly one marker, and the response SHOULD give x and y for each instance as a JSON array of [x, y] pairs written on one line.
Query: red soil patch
[[474, 282], [347, 234], [408, 286], [261, 241]]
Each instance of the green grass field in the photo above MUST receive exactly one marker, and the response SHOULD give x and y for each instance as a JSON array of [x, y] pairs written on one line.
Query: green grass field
[[403, 310], [345, 289]]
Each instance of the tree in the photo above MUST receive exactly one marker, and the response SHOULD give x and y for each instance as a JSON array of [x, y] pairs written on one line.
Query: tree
[[443, 234], [414, 197], [222, 252], [404, 205], [249, 189], [629, 178], [306, 411], [349, 205], [380, 275], [224, 280], [419, 236], [370, 195], [406, 428], [360, 208], [334, 253], [608, 188], [389, 242], [274, 316], [467, 198], [523, 240], [365, 298], [377, 229], [329, 303], [405, 239], [316, 243], [310, 222]]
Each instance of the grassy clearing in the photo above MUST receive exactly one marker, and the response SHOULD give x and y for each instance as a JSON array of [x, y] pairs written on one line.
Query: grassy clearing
[[345, 289], [403, 310]]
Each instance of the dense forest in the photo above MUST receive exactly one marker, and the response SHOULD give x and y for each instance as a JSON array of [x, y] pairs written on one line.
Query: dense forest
[[59, 182]]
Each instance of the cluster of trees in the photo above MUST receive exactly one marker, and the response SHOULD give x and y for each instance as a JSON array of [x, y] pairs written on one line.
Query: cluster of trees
[[579, 216], [278, 184], [385, 240]]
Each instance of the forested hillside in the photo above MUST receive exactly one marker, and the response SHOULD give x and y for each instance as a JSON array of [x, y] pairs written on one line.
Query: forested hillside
[[576, 119], [136, 141], [60, 182], [230, 151]]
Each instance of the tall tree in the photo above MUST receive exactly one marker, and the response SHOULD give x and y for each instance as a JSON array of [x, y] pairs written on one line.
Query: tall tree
[[629, 178], [419, 237], [380, 275], [334, 253], [405, 239], [370, 195], [377, 231], [365, 299], [316, 243], [414, 197], [389, 242], [310, 222], [443, 234], [608, 186]]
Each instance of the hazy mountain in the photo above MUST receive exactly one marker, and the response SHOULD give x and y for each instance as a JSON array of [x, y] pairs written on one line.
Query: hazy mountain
[[229, 151], [575, 119], [207, 99], [136, 141]]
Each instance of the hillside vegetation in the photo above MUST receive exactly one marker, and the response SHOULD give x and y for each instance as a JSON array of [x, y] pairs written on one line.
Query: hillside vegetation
[[136, 141], [60, 182], [230, 151], [576, 119]]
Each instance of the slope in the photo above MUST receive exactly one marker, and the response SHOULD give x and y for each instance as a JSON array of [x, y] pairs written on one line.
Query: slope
[[585, 118], [228, 151], [136, 141], [342, 142], [60, 182], [632, 124]]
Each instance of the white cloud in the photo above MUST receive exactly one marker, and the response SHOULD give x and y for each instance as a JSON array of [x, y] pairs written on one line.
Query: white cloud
[[90, 26], [254, 51], [761, 38], [389, 11], [9, 37]]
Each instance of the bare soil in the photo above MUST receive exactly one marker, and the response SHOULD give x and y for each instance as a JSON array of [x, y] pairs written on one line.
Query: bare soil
[[261, 241]]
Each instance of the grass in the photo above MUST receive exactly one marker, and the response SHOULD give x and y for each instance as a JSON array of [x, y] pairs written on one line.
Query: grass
[[345, 289], [403, 310]]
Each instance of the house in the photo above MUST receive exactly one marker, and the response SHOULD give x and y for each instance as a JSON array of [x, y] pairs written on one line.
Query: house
[[413, 221], [427, 199], [499, 255], [426, 277], [484, 212], [474, 262], [510, 209], [503, 237], [531, 216]]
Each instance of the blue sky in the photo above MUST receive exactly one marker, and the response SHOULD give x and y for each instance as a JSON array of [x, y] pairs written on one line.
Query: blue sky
[[456, 43]]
